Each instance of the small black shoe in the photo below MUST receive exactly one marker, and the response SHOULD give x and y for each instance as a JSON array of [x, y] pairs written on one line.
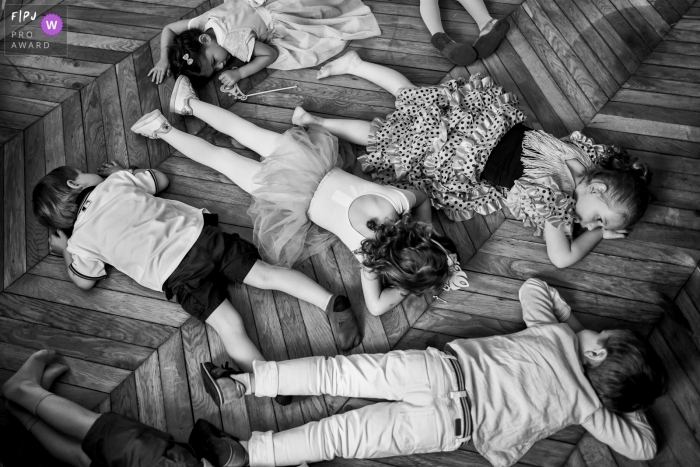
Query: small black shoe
[[343, 322], [487, 44], [283, 400], [456, 52], [216, 446], [210, 376]]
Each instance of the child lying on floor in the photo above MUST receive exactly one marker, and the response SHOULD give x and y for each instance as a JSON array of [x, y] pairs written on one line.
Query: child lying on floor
[[503, 392], [279, 34], [79, 437], [167, 245]]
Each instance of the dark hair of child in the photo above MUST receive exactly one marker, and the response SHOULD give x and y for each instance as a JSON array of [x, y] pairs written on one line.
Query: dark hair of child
[[53, 201], [405, 256], [627, 182], [188, 43], [631, 377]]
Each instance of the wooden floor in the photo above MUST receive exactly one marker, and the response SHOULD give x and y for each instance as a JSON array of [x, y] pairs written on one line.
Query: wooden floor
[[623, 71]]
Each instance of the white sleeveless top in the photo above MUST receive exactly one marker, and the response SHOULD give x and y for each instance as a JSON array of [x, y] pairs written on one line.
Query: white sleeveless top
[[330, 205]]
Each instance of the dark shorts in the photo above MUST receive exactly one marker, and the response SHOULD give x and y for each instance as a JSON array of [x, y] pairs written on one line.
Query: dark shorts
[[117, 441], [199, 282]]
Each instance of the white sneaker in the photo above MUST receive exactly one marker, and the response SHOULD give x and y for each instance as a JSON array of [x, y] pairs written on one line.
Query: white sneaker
[[182, 93], [151, 125]]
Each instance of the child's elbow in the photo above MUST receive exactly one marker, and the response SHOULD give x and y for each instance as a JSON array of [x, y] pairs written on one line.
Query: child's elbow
[[273, 54], [376, 309], [85, 284], [561, 262]]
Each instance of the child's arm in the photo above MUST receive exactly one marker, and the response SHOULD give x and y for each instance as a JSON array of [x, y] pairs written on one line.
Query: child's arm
[[161, 70], [629, 434], [264, 56], [378, 300], [542, 304], [58, 241], [563, 252], [421, 210], [160, 180]]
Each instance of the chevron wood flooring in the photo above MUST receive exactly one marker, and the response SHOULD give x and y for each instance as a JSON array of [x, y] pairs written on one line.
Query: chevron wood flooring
[[622, 71]]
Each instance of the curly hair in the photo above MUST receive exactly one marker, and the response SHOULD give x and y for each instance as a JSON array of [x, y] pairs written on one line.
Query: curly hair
[[631, 376], [627, 184], [53, 201], [183, 44], [407, 254]]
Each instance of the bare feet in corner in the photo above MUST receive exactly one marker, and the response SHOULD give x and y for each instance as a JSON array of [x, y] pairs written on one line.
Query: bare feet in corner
[[302, 118], [340, 66]]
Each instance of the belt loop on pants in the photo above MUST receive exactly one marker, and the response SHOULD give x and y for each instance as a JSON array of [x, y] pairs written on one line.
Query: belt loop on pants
[[462, 425]]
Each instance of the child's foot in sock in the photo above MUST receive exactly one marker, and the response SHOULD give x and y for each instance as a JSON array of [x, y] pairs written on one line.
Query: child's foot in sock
[[343, 323], [456, 52], [52, 372], [490, 37], [340, 66], [301, 117], [216, 446], [219, 385], [29, 374]]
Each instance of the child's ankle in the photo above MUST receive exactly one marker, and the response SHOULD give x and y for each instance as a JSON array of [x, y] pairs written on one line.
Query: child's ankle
[[247, 380]]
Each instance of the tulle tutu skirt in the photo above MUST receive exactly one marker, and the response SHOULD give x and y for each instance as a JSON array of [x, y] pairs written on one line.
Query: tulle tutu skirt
[[288, 180]]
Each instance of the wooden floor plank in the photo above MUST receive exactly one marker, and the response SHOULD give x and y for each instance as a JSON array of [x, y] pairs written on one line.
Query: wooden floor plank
[[14, 222], [37, 235], [149, 392], [115, 137], [83, 321], [176, 393], [123, 399], [54, 145]]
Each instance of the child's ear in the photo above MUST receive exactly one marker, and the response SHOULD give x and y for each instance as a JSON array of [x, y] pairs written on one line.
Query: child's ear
[[73, 185], [596, 357], [204, 38], [597, 187]]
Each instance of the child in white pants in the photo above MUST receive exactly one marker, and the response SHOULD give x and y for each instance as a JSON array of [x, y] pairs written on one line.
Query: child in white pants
[[503, 392]]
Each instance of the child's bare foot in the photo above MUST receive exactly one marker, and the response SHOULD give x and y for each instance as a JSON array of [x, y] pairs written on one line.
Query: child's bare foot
[[29, 374], [52, 372], [301, 117], [341, 66]]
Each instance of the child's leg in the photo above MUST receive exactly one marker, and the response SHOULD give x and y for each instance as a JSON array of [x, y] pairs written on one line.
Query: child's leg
[[430, 12], [60, 446], [382, 376], [352, 64], [239, 169], [229, 325], [380, 430], [248, 134], [295, 283], [476, 9], [354, 131], [24, 389]]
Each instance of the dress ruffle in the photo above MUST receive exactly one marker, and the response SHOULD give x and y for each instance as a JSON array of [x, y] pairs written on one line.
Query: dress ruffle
[[287, 182], [438, 141], [536, 202]]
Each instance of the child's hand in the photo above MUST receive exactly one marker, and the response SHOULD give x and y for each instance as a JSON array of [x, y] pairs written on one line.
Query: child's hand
[[109, 168], [230, 78], [58, 241], [614, 234], [159, 72]]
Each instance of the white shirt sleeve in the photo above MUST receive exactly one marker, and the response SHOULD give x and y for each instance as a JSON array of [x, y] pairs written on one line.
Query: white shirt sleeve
[[145, 180], [542, 304], [629, 434], [87, 268]]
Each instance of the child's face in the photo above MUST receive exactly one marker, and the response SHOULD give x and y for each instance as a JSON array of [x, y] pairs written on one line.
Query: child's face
[[214, 56], [590, 346], [592, 210], [85, 180]]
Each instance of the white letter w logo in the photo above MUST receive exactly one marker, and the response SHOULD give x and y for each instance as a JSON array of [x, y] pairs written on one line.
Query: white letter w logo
[[51, 24]]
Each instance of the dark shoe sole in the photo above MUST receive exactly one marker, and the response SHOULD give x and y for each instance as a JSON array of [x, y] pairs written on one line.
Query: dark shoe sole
[[210, 386], [488, 43]]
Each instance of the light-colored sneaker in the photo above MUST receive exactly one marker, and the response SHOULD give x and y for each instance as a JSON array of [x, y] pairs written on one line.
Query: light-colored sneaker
[[182, 93], [151, 125]]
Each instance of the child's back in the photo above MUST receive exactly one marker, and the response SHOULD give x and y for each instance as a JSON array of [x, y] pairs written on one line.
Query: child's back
[[121, 223]]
